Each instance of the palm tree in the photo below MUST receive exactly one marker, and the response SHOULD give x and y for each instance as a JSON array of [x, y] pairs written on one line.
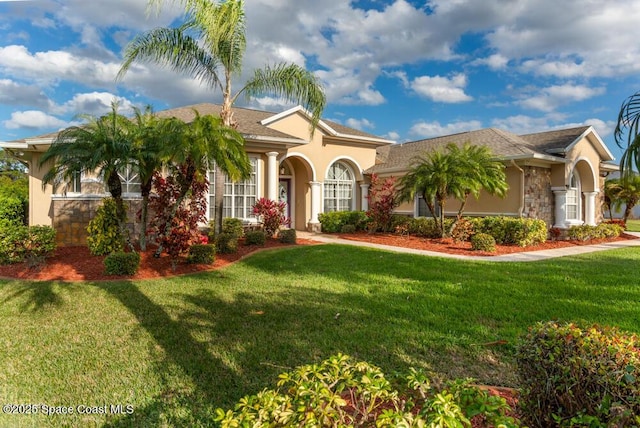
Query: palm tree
[[629, 125], [624, 191], [453, 173], [210, 46], [102, 145]]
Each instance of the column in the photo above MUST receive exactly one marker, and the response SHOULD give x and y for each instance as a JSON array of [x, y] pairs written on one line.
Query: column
[[590, 208], [364, 191], [272, 177], [560, 194], [316, 187]]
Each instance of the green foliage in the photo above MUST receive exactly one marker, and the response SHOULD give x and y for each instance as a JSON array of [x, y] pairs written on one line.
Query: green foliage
[[462, 230], [226, 243], [483, 242], [343, 392], [233, 226], [332, 222], [255, 237], [12, 237], [12, 209], [121, 263], [104, 233], [202, 254], [586, 232], [348, 228], [577, 375], [40, 243], [287, 236], [522, 232]]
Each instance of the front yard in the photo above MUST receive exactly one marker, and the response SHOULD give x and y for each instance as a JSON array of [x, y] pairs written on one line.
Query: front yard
[[175, 349]]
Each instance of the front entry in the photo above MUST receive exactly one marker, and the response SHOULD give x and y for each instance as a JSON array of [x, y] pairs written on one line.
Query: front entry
[[284, 194]]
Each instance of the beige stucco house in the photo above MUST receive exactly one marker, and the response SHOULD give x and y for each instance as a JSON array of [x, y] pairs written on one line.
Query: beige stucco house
[[556, 176]]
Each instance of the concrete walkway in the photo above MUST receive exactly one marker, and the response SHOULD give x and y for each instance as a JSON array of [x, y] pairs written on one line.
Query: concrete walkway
[[528, 256]]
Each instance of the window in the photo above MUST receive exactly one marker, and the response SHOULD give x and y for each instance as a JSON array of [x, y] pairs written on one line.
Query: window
[[422, 210], [130, 181], [573, 197], [75, 186], [239, 198], [338, 188]]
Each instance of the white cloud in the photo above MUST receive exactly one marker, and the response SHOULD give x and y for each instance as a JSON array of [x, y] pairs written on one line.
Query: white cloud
[[494, 62], [435, 129], [33, 119], [550, 98], [360, 124], [95, 104], [16, 94], [442, 89]]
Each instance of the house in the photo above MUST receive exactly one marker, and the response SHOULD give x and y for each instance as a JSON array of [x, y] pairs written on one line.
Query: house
[[311, 173], [556, 176]]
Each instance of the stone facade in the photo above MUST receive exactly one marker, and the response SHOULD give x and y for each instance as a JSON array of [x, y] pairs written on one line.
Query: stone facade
[[539, 201], [71, 216]]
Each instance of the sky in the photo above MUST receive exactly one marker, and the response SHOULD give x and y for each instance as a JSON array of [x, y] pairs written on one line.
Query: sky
[[399, 69]]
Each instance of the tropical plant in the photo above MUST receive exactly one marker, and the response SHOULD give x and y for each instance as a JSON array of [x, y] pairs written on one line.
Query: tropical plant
[[629, 125], [624, 191], [210, 46], [102, 145], [455, 172], [382, 201], [271, 214]]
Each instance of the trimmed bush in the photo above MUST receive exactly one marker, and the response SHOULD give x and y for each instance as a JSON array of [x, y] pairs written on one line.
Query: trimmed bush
[[233, 226], [423, 226], [348, 228], [287, 236], [522, 232], [202, 254], [40, 243], [255, 237], [121, 263], [463, 230], [332, 222], [12, 209], [226, 243], [483, 242], [104, 235], [12, 239], [586, 232], [576, 375]]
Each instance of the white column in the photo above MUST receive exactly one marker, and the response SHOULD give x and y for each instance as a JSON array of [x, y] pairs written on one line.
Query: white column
[[364, 190], [560, 194], [316, 186], [272, 177], [590, 208]]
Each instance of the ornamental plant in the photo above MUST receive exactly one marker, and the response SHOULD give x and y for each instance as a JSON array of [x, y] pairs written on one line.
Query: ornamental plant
[[383, 199], [271, 213], [104, 235]]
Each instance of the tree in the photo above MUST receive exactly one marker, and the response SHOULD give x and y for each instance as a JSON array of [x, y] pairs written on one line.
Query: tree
[[456, 172], [102, 145], [210, 46], [624, 191], [629, 125]]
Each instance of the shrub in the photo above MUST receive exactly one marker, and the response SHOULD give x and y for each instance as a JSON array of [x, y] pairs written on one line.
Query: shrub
[[348, 228], [463, 230], [483, 242], [382, 201], [255, 237], [316, 395], [271, 213], [287, 236], [40, 243], [12, 209], [104, 236], [201, 254], [555, 233], [233, 226], [574, 375], [226, 243], [400, 224], [620, 222], [121, 263], [423, 226], [332, 222], [12, 239], [522, 232], [586, 232]]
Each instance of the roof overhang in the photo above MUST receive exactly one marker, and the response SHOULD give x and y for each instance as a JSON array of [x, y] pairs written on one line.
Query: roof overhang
[[596, 141]]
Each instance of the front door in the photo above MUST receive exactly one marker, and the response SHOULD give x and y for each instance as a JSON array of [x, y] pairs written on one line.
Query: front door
[[284, 192]]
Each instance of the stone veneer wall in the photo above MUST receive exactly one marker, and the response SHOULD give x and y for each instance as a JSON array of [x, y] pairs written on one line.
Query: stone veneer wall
[[71, 217], [539, 201]]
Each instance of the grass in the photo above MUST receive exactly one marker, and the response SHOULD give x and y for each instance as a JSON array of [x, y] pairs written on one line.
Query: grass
[[633, 225], [175, 349]]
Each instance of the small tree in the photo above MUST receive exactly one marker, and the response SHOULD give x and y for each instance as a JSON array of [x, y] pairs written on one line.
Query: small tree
[[623, 191], [383, 199], [271, 213]]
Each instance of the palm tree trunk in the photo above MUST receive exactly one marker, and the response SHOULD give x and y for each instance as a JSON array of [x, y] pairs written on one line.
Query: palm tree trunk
[[219, 178], [115, 188]]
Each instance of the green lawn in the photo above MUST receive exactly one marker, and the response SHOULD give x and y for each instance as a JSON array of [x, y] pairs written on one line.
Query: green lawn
[[176, 349], [633, 225]]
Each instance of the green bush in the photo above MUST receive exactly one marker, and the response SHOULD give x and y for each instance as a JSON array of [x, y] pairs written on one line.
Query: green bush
[[233, 226], [104, 236], [12, 239], [202, 254], [287, 236], [463, 230], [483, 242], [316, 395], [522, 232], [12, 209], [576, 375], [423, 226], [255, 237], [348, 228], [40, 243], [121, 263], [586, 232], [332, 222], [226, 243]]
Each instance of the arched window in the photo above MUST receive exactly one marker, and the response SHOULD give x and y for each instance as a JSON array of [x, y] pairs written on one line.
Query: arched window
[[338, 188], [573, 197]]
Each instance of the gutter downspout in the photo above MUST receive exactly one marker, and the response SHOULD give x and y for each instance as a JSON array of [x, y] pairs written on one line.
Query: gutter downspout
[[521, 207]]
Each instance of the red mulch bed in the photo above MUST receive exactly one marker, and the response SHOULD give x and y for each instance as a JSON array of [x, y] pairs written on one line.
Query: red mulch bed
[[464, 248], [77, 264]]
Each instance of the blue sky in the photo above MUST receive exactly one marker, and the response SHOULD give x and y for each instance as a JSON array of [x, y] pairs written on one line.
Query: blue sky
[[404, 70]]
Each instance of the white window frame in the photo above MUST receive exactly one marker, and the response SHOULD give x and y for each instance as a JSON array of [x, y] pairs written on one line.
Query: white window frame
[[127, 180], [231, 194], [573, 198], [338, 184]]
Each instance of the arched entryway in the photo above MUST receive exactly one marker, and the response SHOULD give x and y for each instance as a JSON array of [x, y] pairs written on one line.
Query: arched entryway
[[576, 202], [295, 187]]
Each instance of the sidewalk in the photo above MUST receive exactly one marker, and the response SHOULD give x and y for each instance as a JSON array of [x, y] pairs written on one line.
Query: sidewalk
[[528, 256]]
